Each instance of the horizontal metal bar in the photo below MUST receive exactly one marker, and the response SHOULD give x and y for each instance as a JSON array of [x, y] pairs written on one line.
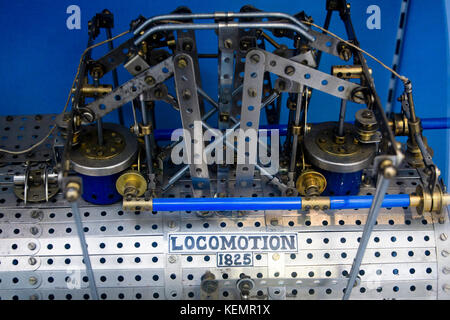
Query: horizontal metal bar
[[271, 203], [216, 26]]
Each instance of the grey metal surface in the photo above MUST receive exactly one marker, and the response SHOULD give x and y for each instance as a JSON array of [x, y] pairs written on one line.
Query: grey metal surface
[[403, 260]]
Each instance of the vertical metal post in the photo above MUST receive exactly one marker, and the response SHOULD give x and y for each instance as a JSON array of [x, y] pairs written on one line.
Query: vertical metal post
[[99, 121], [148, 147], [295, 136], [342, 117], [84, 249], [383, 184]]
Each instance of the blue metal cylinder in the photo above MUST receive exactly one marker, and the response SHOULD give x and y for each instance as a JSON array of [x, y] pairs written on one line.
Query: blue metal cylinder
[[271, 203], [435, 123], [100, 190], [342, 184]]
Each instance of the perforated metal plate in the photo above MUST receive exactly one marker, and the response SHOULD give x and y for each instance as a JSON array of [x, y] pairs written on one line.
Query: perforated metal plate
[[20, 132], [40, 255]]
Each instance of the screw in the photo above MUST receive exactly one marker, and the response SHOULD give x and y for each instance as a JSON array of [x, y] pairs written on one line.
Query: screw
[[182, 63], [358, 97], [367, 114], [172, 259], [443, 236], [441, 220], [32, 261], [446, 287], [186, 94], [290, 70], [251, 92], [32, 246], [158, 93], [34, 297], [255, 58], [171, 224], [32, 280], [275, 256], [36, 214], [149, 80], [446, 270], [444, 253], [228, 43], [34, 230], [274, 222]]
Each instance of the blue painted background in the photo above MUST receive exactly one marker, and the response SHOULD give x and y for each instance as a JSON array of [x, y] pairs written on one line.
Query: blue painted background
[[39, 54]]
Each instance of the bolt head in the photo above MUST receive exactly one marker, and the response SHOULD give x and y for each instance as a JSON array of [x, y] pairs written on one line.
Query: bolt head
[[289, 70], [443, 236], [149, 80], [255, 58], [32, 261], [172, 259], [251, 92], [32, 246], [32, 280], [182, 63], [34, 230]]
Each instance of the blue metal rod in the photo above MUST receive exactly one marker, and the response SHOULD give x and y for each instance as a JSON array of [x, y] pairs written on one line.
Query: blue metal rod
[[435, 123], [271, 203], [427, 124]]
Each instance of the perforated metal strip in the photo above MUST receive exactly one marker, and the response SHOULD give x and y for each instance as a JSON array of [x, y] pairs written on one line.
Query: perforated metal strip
[[132, 88], [250, 114], [309, 77], [192, 123]]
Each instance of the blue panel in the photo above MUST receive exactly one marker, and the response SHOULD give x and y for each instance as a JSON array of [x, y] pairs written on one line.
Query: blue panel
[[39, 54], [100, 190], [342, 184]]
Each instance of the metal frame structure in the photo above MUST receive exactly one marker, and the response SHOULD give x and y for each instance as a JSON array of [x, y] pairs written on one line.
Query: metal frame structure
[[360, 246]]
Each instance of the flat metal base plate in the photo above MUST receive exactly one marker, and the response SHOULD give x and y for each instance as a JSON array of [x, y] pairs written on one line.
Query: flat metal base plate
[[40, 255]]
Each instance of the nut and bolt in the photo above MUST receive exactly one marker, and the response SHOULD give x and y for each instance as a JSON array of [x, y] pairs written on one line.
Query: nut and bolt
[[228, 43], [255, 58], [34, 231], [36, 214], [32, 281], [171, 224], [367, 114], [32, 246], [443, 236], [182, 63], [289, 70], [172, 259], [251, 92], [32, 261], [186, 94], [149, 80]]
